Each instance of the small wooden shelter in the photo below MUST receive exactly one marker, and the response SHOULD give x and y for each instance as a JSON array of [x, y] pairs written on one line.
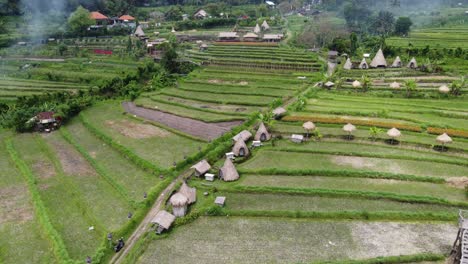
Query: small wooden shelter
[[250, 37], [257, 29], [189, 192], [139, 32], [244, 135], [297, 138], [393, 134], [201, 168], [357, 84], [228, 172], [99, 18], [397, 62], [349, 128], [308, 126], [444, 89], [272, 37], [262, 133], [413, 64], [348, 64], [379, 60], [332, 55], [444, 139], [265, 25], [228, 36], [363, 65], [220, 200], [179, 204], [240, 149], [163, 220], [279, 112]]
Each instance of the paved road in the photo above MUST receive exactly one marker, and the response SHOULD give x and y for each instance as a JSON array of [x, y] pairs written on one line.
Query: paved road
[[196, 128]]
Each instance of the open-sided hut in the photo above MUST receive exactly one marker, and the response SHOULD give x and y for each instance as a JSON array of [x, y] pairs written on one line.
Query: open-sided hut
[[413, 64], [272, 37], [240, 149], [265, 25], [250, 37], [363, 65], [262, 133], [349, 128], [257, 29], [228, 36], [348, 64], [245, 135], [189, 192], [393, 134], [308, 126], [179, 204], [279, 112], [379, 60], [201, 168], [444, 89], [228, 172], [444, 139], [397, 62], [163, 220], [357, 84]]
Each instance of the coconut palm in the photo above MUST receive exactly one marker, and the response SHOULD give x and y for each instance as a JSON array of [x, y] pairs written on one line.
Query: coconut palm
[[410, 86], [365, 83]]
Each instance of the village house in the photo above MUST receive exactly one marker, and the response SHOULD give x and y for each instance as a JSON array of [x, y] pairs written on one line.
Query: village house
[[46, 121], [163, 221], [200, 14], [201, 168], [274, 38], [228, 36], [228, 172], [100, 19], [240, 149], [262, 133]]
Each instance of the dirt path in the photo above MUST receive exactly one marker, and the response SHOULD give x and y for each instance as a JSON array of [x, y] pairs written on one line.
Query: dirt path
[[200, 129], [145, 225]]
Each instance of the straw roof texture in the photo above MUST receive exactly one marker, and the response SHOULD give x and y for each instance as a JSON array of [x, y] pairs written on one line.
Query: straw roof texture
[[279, 111], [393, 133], [379, 60], [202, 167], [228, 35], [238, 146], [250, 35], [229, 172], [257, 29], [349, 128], [245, 135], [363, 64], [139, 32], [190, 193], [444, 139], [348, 64], [308, 125], [357, 84], [164, 219], [395, 85], [262, 130], [265, 25], [179, 200], [397, 62], [413, 62], [444, 89]]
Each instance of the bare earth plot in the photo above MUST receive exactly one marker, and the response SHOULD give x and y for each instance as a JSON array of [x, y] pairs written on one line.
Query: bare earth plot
[[200, 129], [277, 240]]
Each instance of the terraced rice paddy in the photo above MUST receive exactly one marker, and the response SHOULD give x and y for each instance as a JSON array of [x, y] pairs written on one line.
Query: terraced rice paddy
[[444, 37]]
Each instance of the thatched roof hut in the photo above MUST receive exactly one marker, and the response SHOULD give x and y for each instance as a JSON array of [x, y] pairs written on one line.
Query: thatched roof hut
[[265, 25], [309, 125], [379, 60], [262, 133], [279, 111], [363, 65], [139, 32], [257, 29], [395, 85], [444, 139], [357, 84], [244, 135], [349, 128], [228, 172], [178, 200], [164, 220], [394, 133], [201, 167], [412, 64], [348, 64], [444, 89], [250, 37], [397, 62], [240, 149], [190, 193]]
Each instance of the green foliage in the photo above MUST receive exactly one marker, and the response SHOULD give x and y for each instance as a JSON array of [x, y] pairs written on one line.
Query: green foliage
[[457, 86], [374, 132], [410, 87], [79, 21], [205, 23], [403, 26], [300, 104], [366, 83]]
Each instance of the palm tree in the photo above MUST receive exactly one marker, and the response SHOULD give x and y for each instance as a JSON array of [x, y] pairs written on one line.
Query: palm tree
[[365, 83], [374, 132], [410, 86]]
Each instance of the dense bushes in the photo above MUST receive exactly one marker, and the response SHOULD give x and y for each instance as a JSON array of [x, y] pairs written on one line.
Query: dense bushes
[[204, 23]]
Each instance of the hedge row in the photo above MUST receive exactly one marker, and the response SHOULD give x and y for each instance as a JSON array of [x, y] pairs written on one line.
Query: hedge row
[[142, 163], [340, 120], [351, 215], [367, 154], [392, 259], [58, 246], [345, 194], [101, 171], [343, 173]]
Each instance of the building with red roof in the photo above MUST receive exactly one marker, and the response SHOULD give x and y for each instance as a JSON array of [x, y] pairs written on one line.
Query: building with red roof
[[127, 17], [99, 18]]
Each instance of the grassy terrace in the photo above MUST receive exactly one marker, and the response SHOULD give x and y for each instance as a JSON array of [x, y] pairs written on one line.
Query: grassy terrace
[[443, 37]]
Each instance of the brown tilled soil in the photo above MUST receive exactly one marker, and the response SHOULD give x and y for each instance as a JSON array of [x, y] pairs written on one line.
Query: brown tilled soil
[[136, 130], [14, 206], [44, 169], [200, 129], [458, 182]]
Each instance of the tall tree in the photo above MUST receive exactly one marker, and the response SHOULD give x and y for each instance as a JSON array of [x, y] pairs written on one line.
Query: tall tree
[[403, 26], [384, 23], [79, 21]]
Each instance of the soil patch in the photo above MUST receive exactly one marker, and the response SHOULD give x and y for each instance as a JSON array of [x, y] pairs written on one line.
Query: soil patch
[[14, 206], [136, 130], [44, 169], [457, 182]]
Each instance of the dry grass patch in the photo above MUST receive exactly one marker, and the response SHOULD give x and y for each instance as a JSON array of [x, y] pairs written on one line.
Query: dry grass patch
[[458, 182], [44, 169], [13, 205], [136, 130]]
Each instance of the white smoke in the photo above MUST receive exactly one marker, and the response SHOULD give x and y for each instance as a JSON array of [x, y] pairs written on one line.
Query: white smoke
[[43, 17]]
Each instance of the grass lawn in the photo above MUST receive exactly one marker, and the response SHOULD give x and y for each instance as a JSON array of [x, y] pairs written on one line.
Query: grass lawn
[[279, 240], [157, 145], [282, 160], [357, 184]]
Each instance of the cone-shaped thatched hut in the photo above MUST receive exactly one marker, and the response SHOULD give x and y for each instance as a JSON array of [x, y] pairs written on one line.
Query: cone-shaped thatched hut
[[379, 60], [139, 32], [348, 64], [412, 64], [179, 204], [349, 128], [444, 89], [257, 29], [262, 133], [265, 25], [240, 149], [397, 62], [395, 85], [357, 84], [190, 193], [228, 172], [363, 65], [444, 139]]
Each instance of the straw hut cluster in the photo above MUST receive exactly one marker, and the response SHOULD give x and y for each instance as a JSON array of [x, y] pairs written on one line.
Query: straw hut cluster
[[379, 61], [258, 34], [182, 199], [240, 148]]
